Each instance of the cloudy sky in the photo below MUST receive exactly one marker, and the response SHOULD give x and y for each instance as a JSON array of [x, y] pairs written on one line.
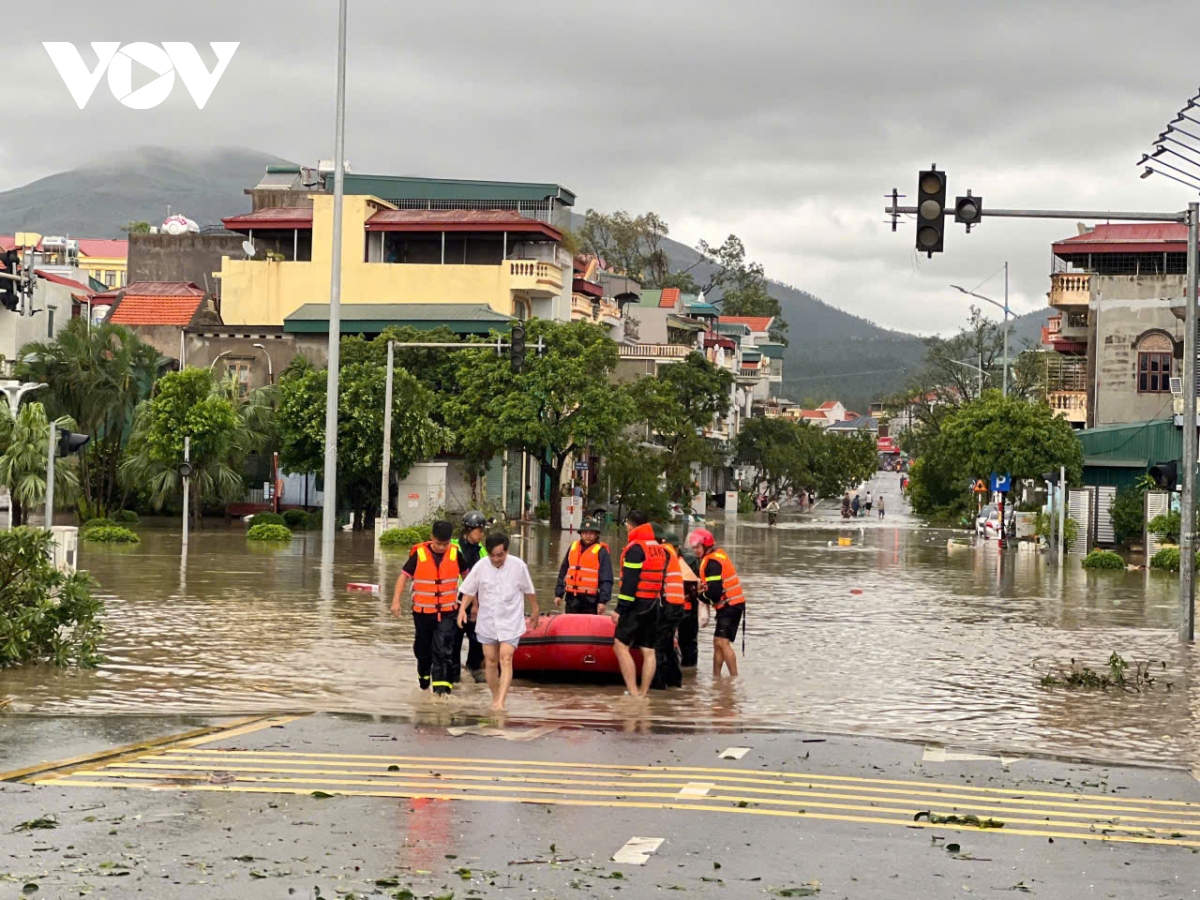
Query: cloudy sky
[[783, 122]]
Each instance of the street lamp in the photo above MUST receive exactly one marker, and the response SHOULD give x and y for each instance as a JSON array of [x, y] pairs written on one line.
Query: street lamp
[[270, 367], [1003, 306], [216, 358], [979, 368]]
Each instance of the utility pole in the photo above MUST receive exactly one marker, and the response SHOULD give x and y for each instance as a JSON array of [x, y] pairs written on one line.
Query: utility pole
[[186, 471], [386, 488], [329, 511], [50, 448], [927, 241], [1006, 328], [1187, 524]]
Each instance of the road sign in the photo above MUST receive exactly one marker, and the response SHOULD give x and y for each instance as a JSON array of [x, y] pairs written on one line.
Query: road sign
[[1001, 484], [581, 465], [980, 487]]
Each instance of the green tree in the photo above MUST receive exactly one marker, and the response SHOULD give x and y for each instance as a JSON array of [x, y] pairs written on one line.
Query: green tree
[[630, 472], [45, 615], [743, 284], [845, 461], [560, 404], [188, 404], [24, 442], [96, 376], [362, 386], [784, 454], [136, 228], [681, 400], [1010, 435]]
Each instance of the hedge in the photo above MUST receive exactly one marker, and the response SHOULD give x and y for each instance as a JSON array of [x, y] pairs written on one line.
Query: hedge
[[299, 520], [269, 532], [405, 537], [267, 518], [126, 517], [110, 534], [1103, 559], [99, 523]]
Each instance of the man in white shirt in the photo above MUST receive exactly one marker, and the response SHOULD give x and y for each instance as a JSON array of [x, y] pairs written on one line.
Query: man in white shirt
[[500, 588]]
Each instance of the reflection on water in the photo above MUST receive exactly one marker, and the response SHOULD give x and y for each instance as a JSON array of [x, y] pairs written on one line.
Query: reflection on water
[[892, 635]]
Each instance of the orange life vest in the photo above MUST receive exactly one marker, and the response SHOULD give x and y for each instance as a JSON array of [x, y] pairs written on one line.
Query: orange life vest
[[730, 583], [653, 575], [583, 568], [435, 587], [674, 591]]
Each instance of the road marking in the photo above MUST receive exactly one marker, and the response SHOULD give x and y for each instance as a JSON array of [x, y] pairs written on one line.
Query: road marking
[[637, 850], [935, 753], [734, 753], [696, 789], [793, 779], [625, 804]]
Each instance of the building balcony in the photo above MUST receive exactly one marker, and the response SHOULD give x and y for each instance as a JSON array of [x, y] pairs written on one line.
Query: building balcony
[[1069, 405], [535, 277], [1070, 291], [653, 351], [582, 309], [610, 313]]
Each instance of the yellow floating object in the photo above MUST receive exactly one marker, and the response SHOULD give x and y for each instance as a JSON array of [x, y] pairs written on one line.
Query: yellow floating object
[[845, 542]]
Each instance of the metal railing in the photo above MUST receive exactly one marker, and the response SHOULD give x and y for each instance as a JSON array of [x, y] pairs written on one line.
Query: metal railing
[[653, 351]]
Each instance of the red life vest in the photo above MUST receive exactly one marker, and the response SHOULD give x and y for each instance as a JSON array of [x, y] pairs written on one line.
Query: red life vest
[[435, 586], [653, 575], [730, 583], [674, 591], [583, 568]]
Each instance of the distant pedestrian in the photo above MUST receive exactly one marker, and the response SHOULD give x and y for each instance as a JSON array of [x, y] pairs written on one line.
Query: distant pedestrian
[[879, 506], [855, 506], [500, 588], [867, 503]]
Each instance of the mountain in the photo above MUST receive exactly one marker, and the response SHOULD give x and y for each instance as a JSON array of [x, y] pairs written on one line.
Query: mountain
[[95, 201]]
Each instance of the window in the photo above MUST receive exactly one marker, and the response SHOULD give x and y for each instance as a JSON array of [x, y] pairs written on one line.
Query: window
[[110, 278], [240, 373], [1154, 362]]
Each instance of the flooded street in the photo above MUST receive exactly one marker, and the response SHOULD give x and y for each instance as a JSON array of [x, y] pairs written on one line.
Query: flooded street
[[937, 646]]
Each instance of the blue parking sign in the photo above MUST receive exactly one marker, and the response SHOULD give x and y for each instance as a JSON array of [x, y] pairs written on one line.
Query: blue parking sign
[[1001, 484]]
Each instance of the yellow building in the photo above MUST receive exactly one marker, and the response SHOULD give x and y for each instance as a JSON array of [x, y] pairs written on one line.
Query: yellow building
[[107, 261], [509, 262]]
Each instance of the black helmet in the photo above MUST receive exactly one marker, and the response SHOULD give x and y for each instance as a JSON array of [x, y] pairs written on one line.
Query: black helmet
[[474, 519], [590, 524]]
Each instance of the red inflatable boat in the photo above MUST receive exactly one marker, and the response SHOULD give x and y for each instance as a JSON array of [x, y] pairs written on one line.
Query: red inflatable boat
[[564, 643]]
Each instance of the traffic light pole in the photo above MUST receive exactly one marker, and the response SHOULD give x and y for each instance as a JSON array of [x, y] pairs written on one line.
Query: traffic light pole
[[1190, 217]]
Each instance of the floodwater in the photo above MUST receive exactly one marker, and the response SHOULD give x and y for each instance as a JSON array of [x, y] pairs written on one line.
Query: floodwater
[[892, 636]]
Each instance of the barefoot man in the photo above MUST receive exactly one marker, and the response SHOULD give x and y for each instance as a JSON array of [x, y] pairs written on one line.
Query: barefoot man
[[500, 587]]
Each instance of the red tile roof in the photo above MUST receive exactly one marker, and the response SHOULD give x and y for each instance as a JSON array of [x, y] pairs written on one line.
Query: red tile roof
[[754, 323], [669, 298], [828, 404], [275, 217], [1133, 237], [427, 220], [140, 310], [160, 289], [811, 414], [95, 247], [64, 281]]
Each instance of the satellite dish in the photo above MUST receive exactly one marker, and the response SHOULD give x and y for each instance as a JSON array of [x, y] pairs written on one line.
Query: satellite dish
[[248, 248]]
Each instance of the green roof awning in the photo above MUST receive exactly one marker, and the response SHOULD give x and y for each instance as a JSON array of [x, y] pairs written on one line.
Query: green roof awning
[[461, 318], [1103, 462], [701, 309], [751, 356], [400, 187], [674, 321], [773, 351], [731, 328]]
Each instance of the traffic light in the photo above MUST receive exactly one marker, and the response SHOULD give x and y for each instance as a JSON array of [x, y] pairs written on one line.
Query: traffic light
[[1166, 474], [931, 210], [968, 210], [516, 349], [185, 469], [10, 290], [70, 442]]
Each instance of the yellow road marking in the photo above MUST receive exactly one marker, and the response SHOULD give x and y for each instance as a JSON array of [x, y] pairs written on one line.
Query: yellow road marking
[[163, 770], [804, 776], [132, 751], [1080, 801], [906, 812], [234, 731], [621, 804]]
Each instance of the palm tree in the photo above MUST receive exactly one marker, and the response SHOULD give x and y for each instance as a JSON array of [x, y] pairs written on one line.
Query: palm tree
[[97, 376], [23, 445]]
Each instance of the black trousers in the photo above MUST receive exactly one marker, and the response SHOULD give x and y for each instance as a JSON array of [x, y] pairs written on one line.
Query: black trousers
[[667, 674], [433, 646], [580, 604], [689, 637], [474, 651]]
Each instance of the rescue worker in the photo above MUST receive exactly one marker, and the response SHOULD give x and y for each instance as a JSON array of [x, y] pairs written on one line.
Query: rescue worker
[[668, 674], [689, 628], [639, 601], [585, 579], [470, 548], [723, 590], [434, 570]]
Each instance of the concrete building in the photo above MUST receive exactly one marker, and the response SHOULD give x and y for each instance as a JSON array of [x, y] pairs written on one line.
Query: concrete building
[[1117, 342], [60, 293], [105, 261], [188, 257]]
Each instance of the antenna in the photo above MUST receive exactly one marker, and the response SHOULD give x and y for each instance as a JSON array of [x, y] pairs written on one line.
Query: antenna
[[248, 248]]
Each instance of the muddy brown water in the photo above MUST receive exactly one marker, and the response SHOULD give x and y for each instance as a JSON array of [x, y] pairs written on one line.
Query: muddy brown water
[[938, 646]]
